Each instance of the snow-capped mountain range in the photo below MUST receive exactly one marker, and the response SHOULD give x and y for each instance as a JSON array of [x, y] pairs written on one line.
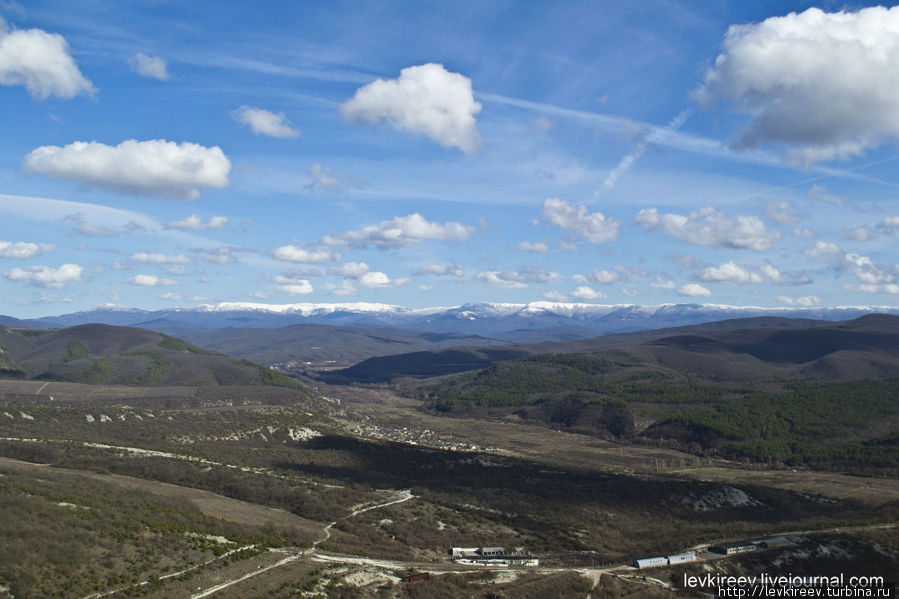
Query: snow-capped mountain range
[[484, 319]]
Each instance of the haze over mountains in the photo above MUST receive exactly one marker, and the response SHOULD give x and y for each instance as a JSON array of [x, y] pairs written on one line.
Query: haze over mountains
[[515, 323]]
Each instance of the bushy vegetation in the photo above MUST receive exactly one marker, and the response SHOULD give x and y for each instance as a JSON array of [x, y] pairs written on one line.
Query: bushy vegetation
[[100, 371], [175, 344], [75, 350], [66, 537], [808, 423], [798, 422], [528, 380]]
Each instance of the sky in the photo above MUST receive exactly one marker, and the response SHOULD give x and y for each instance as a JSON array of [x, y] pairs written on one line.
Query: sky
[[162, 154]]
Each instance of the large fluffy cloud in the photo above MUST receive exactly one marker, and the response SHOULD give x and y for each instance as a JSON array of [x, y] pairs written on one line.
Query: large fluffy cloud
[[827, 84], [23, 249], [153, 167], [46, 276], [41, 62], [263, 122], [401, 231], [580, 222], [425, 99], [710, 227]]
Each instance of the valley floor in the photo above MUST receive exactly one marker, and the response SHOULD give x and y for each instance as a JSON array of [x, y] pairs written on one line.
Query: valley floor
[[239, 493]]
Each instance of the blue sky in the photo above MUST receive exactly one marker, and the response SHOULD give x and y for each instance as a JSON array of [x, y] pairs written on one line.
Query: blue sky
[[161, 154]]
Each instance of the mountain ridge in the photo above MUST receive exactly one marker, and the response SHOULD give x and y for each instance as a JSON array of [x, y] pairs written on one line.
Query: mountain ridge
[[484, 319]]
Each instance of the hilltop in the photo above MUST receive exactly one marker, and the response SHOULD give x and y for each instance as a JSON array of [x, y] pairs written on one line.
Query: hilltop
[[105, 354]]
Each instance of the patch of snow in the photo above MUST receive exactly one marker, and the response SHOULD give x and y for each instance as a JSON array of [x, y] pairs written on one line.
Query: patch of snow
[[105, 418], [89, 418], [26, 416], [8, 415]]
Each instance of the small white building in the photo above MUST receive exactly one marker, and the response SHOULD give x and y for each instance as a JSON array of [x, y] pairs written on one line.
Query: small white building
[[681, 558], [651, 562]]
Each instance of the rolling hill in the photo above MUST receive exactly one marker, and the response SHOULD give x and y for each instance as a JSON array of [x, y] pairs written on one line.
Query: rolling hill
[[820, 394], [104, 354], [727, 339]]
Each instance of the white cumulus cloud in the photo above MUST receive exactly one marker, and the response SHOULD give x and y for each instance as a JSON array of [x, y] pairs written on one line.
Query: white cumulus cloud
[[150, 66], [153, 167], [364, 276], [293, 285], [823, 249], [379, 279], [41, 62], [425, 99], [780, 212], [519, 279], [450, 269], [23, 249], [732, 273], [264, 122], [806, 301], [694, 290], [579, 221], [535, 247], [195, 222], [150, 281], [46, 276], [588, 293], [352, 270], [402, 231], [710, 227], [219, 255], [151, 258], [293, 253], [825, 84]]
